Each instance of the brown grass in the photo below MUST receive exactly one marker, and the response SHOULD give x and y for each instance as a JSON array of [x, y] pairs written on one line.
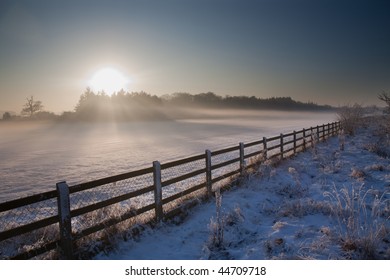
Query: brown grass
[[361, 220]]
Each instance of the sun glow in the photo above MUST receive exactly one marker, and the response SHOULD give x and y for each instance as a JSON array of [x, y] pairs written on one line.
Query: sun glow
[[108, 80]]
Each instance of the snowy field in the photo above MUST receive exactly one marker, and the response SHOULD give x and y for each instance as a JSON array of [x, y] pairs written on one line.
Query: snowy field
[[326, 203], [35, 156]]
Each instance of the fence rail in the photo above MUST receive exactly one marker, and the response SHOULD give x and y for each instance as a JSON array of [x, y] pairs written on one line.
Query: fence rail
[[55, 220]]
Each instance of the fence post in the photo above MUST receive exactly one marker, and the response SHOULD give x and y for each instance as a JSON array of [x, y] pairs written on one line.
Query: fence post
[[311, 137], [295, 142], [209, 184], [157, 190], [281, 146], [304, 139], [242, 162], [323, 132], [318, 134], [327, 130], [63, 204], [265, 148]]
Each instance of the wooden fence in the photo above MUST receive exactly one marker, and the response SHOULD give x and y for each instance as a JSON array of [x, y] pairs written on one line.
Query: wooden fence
[[51, 220]]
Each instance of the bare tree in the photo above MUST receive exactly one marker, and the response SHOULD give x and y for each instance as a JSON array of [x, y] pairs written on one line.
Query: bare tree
[[31, 107], [350, 117], [384, 96]]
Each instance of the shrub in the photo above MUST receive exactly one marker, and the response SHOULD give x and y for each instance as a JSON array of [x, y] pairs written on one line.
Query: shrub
[[350, 117]]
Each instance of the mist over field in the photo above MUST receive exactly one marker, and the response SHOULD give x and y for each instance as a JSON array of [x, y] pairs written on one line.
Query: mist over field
[[37, 155]]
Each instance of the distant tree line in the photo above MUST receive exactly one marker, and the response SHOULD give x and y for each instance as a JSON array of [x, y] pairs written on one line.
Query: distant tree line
[[124, 106], [120, 106], [210, 99], [143, 106]]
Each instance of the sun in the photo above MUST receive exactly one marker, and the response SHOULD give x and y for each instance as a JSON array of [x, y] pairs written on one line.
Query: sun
[[108, 80]]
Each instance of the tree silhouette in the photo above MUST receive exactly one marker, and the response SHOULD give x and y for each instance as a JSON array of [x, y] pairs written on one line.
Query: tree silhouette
[[31, 107], [85, 100], [125, 106], [7, 116]]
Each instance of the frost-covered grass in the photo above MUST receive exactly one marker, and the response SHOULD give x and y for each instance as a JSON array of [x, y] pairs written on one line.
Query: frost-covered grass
[[359, 215], [328, 203]]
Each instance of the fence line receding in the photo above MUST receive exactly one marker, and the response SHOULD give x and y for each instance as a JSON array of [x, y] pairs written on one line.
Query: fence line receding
[[56, 220]]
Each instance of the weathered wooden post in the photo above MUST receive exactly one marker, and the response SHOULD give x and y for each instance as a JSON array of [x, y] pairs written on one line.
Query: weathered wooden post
[[265, 151], [157, 191], [311, 137], [304, 139], [323, 132], [209, 184], [242, 161], [295, 142], [318, 134], [281, 146], [63, 203]]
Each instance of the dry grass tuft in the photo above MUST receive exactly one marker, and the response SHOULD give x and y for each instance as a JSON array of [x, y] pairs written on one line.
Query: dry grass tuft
[[361, 220], [217, 224], [303, 207], [31, 241], [375, 167], [358, 174]]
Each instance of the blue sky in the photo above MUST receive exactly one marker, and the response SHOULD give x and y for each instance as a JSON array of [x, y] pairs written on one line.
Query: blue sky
[[333, 52]]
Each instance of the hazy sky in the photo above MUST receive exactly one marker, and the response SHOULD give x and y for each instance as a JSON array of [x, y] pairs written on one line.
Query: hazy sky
[[326, 51]]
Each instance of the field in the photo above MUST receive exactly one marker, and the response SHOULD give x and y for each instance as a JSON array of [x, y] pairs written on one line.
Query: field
[[35, 156], [331, 202]]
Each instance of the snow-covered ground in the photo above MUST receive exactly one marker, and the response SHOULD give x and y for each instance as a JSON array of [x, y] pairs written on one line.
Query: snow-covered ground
[[35, 156], [326, 203]]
